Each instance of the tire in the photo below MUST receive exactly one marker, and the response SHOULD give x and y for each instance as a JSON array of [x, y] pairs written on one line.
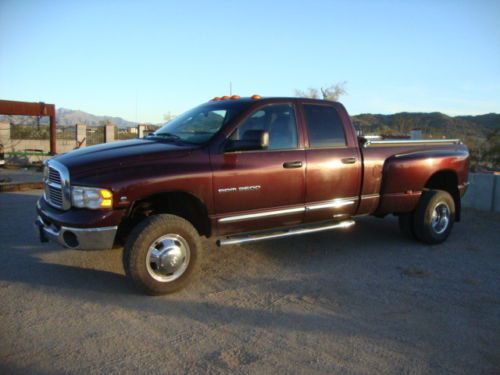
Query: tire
[[161, 254], [406, 225], [434, 217]]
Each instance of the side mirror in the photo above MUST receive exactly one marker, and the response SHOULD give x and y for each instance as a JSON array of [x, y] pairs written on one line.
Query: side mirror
[[252, 140]]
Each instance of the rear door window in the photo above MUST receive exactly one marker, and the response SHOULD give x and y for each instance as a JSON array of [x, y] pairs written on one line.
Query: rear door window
[[324, 126]]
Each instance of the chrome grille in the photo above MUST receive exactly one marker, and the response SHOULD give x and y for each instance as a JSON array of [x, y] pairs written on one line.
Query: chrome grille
[[56, 183], [55, 196], [54, 176]]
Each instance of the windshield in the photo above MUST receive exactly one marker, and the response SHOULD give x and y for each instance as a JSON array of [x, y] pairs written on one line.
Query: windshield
[[199, 124]]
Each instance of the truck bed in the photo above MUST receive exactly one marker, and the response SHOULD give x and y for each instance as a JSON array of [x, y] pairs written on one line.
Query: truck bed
[[395, 172]]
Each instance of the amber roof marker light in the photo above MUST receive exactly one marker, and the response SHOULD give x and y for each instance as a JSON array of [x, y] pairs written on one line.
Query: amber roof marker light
[[233, 97]]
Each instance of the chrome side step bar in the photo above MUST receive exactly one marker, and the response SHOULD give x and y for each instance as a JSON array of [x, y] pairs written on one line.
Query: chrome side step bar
[[280, 234]]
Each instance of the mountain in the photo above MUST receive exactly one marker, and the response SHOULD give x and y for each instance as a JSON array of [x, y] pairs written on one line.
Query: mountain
[[66, 117], [480, 133], [433, 124], [69, 117]]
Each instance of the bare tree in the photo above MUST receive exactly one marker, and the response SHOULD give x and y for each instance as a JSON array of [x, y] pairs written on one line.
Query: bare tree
[[332, 92], [311, 92]]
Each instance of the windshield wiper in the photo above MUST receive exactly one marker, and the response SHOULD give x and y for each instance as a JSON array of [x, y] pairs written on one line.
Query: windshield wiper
[[169, 137], [165, 135]]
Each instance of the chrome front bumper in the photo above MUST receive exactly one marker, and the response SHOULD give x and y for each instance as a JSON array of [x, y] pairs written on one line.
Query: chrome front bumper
[[77, 238]]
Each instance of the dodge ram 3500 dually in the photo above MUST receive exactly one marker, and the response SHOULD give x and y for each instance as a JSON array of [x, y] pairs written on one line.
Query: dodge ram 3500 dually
[[240, 170]]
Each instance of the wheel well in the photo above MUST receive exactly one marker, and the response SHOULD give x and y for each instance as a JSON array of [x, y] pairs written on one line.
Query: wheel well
[[447, 181], [181, 204]]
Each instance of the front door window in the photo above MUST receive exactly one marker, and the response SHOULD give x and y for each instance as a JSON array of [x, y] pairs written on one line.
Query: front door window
[[278, 120]]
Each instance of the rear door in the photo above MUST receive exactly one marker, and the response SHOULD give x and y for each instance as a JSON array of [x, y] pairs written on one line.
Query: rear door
[[264, 188], [333, 174]]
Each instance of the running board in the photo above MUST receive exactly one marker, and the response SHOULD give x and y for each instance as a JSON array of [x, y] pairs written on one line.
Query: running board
[[285, 233]]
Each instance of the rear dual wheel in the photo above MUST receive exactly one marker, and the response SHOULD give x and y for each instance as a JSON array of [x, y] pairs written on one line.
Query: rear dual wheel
[[433, 219]]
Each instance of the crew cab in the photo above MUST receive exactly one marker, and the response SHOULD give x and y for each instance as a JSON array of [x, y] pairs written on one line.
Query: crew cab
[[240, 170]]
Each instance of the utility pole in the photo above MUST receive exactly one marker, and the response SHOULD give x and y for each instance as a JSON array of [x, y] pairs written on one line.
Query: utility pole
[[230, 88]]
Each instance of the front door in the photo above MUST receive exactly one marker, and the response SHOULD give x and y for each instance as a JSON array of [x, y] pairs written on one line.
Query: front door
[[262, 188]]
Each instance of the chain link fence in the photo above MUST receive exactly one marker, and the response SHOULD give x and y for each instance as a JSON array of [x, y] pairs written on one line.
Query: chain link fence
[[123, 134], [41, 132], [29, 132], [95, 135], [66, 132]]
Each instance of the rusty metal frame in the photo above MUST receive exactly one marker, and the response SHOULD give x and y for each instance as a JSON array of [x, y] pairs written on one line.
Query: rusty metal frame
[[13, 108]]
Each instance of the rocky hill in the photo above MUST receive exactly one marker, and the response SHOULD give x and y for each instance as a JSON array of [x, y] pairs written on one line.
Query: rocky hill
[[433, 124], [68, 117]]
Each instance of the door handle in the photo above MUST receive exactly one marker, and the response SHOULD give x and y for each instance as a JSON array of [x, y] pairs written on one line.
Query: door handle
[[292, 164], [348, 160]]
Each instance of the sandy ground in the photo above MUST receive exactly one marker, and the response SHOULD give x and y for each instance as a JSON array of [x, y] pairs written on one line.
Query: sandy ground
[[363, 301]]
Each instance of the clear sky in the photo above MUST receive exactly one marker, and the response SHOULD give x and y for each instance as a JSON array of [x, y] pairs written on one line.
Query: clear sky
[[142, 59]]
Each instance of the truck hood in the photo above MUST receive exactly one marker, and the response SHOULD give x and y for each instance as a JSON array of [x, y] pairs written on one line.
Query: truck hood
[[122, 154]]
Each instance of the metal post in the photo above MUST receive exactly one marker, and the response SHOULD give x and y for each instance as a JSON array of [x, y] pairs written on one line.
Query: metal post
[[53, 135]]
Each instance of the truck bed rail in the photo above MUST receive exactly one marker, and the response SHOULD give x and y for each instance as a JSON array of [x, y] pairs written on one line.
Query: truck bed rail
[[402, 142]]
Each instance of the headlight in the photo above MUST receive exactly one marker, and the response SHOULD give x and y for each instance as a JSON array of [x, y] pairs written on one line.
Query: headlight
[[93, 198]]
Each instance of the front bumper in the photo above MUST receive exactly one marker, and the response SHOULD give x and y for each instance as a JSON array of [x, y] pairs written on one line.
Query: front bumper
[[88, 238], [77, 238]]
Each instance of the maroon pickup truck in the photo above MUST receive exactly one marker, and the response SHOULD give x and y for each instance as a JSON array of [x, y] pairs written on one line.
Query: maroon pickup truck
[[241, 170]]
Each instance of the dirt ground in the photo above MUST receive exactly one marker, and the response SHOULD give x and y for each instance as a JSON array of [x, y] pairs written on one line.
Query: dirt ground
[[362, 301]]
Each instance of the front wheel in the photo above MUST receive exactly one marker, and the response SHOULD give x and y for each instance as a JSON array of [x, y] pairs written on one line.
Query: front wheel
[[161, 253], [434, 217]]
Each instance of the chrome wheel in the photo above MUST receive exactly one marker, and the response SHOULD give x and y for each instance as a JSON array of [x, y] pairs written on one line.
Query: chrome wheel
[[440, 218], [168, 258]]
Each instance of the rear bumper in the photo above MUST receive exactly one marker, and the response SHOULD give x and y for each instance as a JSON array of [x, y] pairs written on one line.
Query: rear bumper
[[77, 238]]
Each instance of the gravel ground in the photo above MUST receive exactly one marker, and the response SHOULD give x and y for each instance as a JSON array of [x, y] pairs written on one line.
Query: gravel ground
[[362, 301], [20, 175]]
